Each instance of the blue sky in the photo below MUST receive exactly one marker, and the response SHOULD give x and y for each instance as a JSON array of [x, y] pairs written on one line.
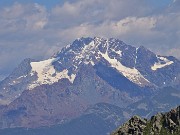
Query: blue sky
[[52, 3], [48, 3], [160, 3], [39, 28]]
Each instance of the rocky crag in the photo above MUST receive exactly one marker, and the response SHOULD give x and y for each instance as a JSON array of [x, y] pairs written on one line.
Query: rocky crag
[[160, 124]]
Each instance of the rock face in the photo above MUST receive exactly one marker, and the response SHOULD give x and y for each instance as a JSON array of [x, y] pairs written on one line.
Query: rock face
[[160, 124], [55, 104], [134, 126]]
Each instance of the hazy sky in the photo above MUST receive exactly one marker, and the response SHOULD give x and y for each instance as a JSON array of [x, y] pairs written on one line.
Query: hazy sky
[[38, 28]]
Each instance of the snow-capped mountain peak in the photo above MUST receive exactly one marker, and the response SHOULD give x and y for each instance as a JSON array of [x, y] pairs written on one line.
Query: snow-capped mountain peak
[[139, 66], [91, 51]]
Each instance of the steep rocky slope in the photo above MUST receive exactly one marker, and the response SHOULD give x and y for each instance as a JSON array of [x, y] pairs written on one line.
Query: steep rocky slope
[[159, 124]]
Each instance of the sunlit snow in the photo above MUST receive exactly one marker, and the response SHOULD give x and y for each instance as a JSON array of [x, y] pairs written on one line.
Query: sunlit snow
[[163, 62], [47, 74], [131, 73]]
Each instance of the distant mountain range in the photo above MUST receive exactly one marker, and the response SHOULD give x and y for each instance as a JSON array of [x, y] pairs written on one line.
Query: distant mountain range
[[101, 82]]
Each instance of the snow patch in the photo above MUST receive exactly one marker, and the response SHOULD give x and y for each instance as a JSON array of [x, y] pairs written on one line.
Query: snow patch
[[119, 52], [47, 74], [24, 76], [131, 73], [84, 54], [136, 56], [162, 62]]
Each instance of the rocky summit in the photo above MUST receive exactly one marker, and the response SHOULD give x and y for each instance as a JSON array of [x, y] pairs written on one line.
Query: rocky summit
[[160, 124], [138, 67]]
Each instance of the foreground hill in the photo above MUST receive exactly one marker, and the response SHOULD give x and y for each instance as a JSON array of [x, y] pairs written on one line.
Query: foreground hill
[[159, 124]]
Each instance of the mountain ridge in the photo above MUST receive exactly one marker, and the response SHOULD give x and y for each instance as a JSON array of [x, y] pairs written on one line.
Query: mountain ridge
[[83, 74], [135, 64]]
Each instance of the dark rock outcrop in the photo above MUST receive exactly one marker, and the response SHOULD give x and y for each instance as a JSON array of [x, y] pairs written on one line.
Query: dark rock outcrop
[[160, 124], [134, 126]]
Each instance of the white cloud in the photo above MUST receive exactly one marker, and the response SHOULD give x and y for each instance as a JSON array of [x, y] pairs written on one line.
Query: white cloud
[[20, 17], [95, 11], [38, 19], [14, 11], [121, 28]]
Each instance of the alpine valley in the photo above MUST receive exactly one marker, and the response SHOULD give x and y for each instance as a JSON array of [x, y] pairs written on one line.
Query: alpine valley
[[90, 87]]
